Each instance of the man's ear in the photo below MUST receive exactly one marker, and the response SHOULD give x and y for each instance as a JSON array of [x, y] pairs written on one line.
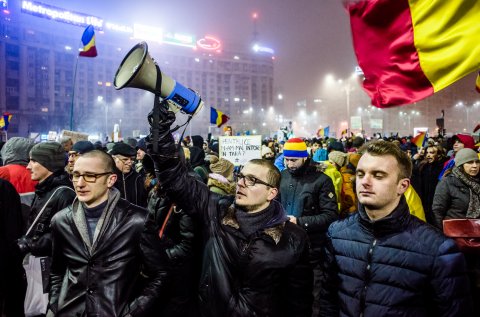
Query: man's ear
[[112, 178], [272, 193], [403, 185]]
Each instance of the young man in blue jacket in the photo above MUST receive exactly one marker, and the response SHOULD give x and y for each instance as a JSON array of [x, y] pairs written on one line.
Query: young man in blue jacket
[[383, 261]]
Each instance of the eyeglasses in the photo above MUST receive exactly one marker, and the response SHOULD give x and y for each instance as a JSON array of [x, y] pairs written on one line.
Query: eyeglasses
[[125, 159], [250, 180], [88, 177]]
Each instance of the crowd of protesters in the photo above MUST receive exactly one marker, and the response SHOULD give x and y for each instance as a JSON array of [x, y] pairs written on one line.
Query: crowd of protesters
[[315, 227]]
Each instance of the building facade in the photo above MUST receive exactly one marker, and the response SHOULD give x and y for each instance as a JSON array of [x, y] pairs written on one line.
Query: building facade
[[48, 87]]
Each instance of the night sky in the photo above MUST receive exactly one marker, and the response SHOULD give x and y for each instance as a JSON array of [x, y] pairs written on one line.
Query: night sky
[[310, 37]]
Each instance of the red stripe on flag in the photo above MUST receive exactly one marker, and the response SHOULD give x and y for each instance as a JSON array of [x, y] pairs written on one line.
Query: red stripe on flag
[[382, 33]]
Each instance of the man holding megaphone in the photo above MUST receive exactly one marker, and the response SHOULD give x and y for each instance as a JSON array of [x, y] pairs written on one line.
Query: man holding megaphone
[[255, 262]]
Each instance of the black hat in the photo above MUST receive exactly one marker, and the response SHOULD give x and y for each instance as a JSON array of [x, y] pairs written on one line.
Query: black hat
[[124, 149], [83, 146], [50, 155]]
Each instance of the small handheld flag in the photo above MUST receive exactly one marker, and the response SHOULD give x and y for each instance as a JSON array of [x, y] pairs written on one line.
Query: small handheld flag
[[419, 139], [88, 41], [217, 117], [5, 120]]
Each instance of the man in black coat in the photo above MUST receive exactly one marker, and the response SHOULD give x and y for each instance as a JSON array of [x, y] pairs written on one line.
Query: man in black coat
[[255, 262], [12, 284], [97, 252], [308, 196], [382, 261], [425, 178], [129, 182]]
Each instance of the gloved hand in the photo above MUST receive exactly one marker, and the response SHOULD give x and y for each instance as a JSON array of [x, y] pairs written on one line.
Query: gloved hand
[[165, 142], [24, 245]]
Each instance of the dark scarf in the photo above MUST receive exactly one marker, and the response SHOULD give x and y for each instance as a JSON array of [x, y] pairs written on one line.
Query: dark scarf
[[251, 222], [92, 215], [473, 185]]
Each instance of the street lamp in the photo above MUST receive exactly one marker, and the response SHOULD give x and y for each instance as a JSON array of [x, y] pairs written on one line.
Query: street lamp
[[346, 87], [467, 111], [100, 100]]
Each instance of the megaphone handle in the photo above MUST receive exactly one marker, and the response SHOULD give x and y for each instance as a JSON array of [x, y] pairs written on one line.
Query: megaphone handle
[[156, 109], [155, 122]]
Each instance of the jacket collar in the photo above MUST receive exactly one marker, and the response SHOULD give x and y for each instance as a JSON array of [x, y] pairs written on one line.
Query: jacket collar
[[275, 232], [81, 222], [394, 222]]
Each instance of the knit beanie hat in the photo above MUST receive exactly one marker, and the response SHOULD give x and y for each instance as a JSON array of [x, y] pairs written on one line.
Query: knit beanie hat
[[295, 147], [266, 150], [465, 155], [338, 158], [223, 167], [50, 155]]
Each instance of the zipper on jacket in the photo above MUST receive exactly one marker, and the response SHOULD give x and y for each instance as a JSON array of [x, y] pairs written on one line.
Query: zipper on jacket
[[367, 277]]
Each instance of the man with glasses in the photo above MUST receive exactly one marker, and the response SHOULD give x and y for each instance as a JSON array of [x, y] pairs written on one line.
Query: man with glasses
[[97, 247], [129, 182], [79, 148], [255, 262]]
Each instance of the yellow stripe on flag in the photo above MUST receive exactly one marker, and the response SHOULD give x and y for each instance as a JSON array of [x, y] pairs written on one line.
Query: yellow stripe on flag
[[446, 35]]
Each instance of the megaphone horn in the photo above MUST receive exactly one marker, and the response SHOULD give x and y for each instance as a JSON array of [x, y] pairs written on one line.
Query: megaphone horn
[[138, 70]]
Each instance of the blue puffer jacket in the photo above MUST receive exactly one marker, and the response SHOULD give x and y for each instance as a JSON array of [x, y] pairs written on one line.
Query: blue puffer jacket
[[396, 266]]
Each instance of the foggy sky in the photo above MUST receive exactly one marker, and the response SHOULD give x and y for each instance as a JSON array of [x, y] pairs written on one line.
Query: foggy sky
[[310, 37]]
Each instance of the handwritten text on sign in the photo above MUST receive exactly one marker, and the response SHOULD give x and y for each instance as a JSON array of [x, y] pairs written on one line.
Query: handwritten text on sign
[[240, 149]]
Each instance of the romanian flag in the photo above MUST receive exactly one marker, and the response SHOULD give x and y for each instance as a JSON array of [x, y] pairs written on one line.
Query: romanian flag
[[217, 117], [410, 49], [323, 131], [88, 41], [5, 120], [419, 139]]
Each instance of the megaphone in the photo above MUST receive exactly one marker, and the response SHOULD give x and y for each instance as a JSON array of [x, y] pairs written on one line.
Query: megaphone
[[139, 70]]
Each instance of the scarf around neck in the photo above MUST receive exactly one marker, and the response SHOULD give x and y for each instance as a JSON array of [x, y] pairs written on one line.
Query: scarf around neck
[[473, 185]]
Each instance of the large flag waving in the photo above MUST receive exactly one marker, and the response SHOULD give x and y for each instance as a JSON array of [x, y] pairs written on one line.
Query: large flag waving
[[410, 49], [88, 41], [217, 117]]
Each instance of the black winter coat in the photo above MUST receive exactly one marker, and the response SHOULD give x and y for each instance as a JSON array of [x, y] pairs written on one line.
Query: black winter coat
[[39, 239], [424, 181], [177, 251], [98, 279], [132, 188], [451, 200], [309, 195], [396, 266], [267, 274]]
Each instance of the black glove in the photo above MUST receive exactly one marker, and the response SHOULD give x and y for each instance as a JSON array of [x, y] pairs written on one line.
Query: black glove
[[160, 120], [24, 245]]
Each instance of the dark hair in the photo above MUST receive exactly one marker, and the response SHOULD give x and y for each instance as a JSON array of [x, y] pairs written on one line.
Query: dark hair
[[382, 148], [106, 158], [273, 174]]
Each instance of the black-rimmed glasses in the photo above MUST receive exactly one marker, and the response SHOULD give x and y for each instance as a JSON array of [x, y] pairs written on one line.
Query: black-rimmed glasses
[[250, 180], [88, 177]]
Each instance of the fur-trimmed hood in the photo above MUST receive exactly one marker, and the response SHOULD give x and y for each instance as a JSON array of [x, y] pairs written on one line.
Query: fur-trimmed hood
[[274, 227]]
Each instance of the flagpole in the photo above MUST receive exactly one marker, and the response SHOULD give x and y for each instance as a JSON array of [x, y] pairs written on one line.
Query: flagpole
[[73, 93]]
